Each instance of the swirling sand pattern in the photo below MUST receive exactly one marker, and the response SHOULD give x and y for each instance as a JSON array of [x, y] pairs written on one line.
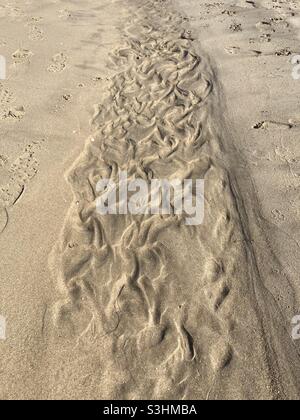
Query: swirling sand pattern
[[176, 336]]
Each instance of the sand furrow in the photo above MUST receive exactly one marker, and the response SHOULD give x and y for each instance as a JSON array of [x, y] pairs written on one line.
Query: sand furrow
[[177, 304]]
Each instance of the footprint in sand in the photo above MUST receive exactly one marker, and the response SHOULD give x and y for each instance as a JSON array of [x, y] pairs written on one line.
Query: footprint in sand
[[17, 175], [36, 33], [5, 100], [59, 63], [265, 26], [284, 52], [2, 11], [3, 171], [229, 12], [15, 13], [67, 97], [236, 27], [16, 113], [272, 25], [4, 176], [34, 19], [21, 56], [264, 125], [295, 122], [242, 52], [265, 38], [7, 110], [278, 215], [65, 14], [246, 4]]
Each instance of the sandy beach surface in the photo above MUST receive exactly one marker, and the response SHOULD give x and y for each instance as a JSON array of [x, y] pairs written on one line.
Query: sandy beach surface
[[144, 306]]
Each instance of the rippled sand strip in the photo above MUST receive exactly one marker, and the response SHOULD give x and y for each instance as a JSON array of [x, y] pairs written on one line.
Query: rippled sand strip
[[177, 307]]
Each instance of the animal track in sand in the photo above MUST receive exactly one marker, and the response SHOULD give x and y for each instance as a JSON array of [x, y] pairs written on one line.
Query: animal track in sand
[[5, 100], [59, 63], [264, 38]]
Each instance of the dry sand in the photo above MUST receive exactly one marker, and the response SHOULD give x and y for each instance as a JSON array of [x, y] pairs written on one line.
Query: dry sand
[[140, 307]]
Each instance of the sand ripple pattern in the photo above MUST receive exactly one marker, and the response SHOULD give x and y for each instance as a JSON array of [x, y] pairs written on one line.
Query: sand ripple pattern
[[170, 335]]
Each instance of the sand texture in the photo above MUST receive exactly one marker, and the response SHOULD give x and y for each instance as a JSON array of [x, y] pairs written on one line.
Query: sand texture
[[144, 306]]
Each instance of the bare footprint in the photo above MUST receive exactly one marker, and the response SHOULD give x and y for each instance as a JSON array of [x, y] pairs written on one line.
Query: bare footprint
[[59, 63]]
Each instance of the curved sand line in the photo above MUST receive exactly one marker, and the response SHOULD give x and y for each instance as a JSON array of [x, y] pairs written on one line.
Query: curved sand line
[[177, 332]]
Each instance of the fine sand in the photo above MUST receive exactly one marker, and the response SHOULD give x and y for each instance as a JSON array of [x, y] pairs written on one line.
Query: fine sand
[[146, 307]]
